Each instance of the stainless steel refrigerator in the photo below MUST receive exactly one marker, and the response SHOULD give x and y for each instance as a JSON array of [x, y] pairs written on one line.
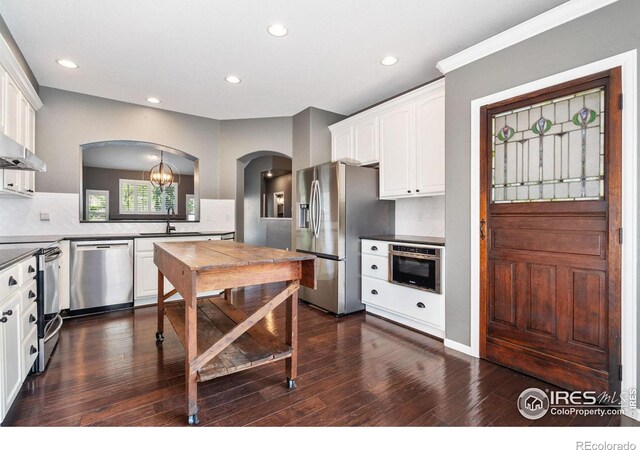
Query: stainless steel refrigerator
[[335, 205]]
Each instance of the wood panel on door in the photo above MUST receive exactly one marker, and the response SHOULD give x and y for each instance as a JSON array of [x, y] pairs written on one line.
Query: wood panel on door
[[550, 222]]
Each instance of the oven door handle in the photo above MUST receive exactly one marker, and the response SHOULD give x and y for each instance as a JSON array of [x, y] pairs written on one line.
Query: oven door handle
[[415, 256]]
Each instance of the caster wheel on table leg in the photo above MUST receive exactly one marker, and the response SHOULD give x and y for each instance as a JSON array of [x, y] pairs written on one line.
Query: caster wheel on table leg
[[159, 337], [193, 419], [291, 384]]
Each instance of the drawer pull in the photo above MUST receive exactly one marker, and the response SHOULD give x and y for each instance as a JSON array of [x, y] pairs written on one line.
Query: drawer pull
[[32, 318], [374, 292], [374, 267], [408, 192], [420, 305], [33, 350], [7, 313], [12, 281], [32, 294], [3, 320], [10, 184], [374, 248], [31, 269]]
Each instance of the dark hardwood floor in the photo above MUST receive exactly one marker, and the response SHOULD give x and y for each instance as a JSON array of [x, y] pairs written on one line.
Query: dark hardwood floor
[[355, 370]]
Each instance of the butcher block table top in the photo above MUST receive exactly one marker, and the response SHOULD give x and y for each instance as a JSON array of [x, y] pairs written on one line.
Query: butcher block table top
[[220, 339]]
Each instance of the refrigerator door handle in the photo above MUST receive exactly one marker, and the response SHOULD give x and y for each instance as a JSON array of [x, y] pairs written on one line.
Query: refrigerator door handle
[[318, 204], [312, 208]]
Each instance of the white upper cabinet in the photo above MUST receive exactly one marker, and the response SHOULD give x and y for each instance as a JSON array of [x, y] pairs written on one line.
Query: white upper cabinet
[[405, 136], [18, 121], [341, 144], [12, 109], [397, 155], [366, 140], [430, 144]]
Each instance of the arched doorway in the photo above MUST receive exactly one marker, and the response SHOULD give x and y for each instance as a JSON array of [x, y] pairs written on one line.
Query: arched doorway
[[257, 220]]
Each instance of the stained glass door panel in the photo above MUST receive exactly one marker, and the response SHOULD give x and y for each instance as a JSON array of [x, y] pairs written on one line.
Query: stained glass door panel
[[550, 151]]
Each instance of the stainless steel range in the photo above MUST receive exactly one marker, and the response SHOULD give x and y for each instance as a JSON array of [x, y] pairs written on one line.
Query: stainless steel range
[[49, 319]]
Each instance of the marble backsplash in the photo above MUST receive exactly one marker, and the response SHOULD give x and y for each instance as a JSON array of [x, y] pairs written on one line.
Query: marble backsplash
[[422, 216], [21, 216]]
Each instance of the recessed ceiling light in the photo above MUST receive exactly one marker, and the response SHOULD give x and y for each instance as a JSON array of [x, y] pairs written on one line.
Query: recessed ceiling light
[[388, 60], [233, 79], [66, 63], [153, 100], [277, 30]]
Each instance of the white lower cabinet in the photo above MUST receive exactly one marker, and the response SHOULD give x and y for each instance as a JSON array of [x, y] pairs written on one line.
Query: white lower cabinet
[[11, 353], [415, 308], [18, 329], [146, 272]]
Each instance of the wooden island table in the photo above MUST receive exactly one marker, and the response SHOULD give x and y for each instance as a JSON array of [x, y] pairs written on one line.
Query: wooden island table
[[219, 338]]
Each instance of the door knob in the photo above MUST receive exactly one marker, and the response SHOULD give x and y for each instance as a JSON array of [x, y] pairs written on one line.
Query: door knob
[[374, 267]]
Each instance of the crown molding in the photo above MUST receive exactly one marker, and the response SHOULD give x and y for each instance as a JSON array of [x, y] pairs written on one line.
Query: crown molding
[[13, 68], [555, 17]]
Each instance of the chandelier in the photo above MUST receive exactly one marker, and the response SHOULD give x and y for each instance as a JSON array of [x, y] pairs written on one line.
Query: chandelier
[[161, 175]]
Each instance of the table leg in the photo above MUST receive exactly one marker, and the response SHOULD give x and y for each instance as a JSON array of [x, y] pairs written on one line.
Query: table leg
[[191, 348], [291, 338], [160, 332], [227, 295]]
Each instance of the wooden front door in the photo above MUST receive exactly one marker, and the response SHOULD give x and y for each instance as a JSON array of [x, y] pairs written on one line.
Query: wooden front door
[[550, 233]]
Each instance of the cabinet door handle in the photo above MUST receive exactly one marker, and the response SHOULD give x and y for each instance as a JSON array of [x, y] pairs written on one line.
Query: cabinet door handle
[[30, 191], [374, 292], [482, 224], [420, 305], [32, 294], [409, 191], [374, 248], [31, 269], [7, 313], [33, 350], [3, 320], [10, 184], [374, 267], [12, 281], [417, 190], [31, 318]]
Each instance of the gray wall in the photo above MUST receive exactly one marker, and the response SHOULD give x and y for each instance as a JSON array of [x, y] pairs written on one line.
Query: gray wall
[[109, 180], [280, 183], [68, 120], [603, 33], [8, 37], [260, 231]]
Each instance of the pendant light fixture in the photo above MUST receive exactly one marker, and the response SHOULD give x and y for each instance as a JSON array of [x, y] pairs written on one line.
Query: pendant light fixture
[[161, 175]]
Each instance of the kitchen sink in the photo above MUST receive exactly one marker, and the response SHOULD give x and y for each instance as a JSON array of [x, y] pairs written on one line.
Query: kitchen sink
[[175, 233]]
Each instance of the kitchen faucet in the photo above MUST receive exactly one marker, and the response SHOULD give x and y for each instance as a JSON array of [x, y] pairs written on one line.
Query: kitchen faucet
[[170, 212]]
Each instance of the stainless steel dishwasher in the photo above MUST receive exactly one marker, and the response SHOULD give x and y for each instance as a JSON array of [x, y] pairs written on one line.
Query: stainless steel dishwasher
[[101, 276]]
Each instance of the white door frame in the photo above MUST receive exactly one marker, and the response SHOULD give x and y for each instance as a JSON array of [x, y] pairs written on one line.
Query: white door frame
[[628, 62]]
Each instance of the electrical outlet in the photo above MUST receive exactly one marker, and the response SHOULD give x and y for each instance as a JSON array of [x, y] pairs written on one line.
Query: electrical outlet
[[44, 217]]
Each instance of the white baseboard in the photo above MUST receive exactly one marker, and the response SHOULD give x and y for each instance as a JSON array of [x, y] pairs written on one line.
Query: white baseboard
[[466, 349]]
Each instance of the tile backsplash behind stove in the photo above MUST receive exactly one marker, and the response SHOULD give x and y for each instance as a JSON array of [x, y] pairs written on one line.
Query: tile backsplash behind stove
[[21, 216], [422, 216]]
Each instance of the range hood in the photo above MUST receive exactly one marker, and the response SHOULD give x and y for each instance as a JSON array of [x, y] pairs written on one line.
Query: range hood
[[14, 156]]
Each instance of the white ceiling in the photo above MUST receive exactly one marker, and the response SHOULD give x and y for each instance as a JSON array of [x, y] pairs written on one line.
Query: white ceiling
[[181, 51], [133, 157]]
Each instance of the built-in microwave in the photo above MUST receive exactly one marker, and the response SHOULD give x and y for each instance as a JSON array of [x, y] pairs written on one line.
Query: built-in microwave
[[416, 267]]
